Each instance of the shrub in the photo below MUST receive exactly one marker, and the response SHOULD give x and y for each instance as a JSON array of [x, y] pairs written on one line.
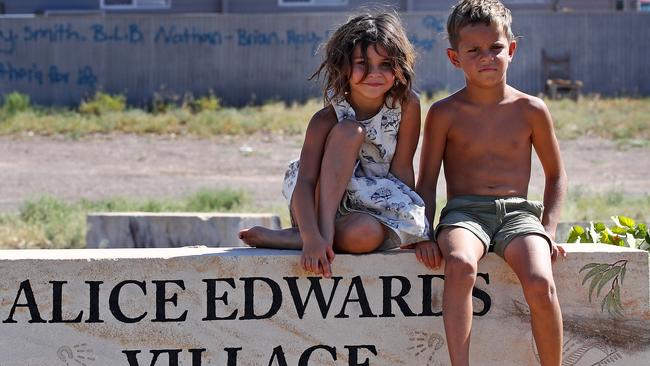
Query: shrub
[[15, 102], [207, 103], [102, 103], [625, 232], [216, 200]]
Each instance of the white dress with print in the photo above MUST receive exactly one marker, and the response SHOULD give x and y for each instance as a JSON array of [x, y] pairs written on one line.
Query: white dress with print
[[373, 189]]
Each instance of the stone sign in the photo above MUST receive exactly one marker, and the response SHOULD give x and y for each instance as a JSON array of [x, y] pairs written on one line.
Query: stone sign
[[242, 306]]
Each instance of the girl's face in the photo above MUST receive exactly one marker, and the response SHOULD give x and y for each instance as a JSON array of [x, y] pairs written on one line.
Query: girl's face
[[380, 78]]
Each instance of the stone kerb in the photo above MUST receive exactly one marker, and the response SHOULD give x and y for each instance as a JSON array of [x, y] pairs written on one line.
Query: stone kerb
[[165, 230], [242, 306]]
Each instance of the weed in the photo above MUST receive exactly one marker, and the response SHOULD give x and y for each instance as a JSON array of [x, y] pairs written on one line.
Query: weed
[[48, 222], [15, 102], [102, 103]]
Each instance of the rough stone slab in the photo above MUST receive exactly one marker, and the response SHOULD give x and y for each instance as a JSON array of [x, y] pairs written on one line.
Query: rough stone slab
[[165, 230], [242, 306]]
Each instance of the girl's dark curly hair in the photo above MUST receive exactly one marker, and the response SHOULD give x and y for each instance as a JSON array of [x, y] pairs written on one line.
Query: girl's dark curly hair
[[383, 29]]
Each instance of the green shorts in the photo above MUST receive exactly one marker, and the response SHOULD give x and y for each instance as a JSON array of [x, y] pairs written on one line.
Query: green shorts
[[494, 220]]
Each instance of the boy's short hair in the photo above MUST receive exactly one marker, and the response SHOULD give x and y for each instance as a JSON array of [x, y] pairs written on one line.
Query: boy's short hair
[[471, 12]]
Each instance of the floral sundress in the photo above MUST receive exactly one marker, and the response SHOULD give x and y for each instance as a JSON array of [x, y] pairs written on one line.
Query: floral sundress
[[373, 189]]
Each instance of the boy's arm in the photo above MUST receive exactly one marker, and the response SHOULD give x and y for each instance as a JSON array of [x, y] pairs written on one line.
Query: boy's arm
[[431, 156], [548, 151], [407, 141]]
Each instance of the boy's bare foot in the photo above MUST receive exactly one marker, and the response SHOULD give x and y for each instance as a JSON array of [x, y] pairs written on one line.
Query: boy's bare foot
[[261, 237]]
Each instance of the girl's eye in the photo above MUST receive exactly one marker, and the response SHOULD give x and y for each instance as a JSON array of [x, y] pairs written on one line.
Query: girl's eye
[[386, 65]]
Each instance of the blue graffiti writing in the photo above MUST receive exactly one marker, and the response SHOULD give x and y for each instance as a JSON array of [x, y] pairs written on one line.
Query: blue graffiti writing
[[422, 43], [86, 77], [299, 39], [131, 35], [55, 76], [56, 33], [294, 38], [185, 35], [8, 40], [433, 23], [257, 38], [30, 75]]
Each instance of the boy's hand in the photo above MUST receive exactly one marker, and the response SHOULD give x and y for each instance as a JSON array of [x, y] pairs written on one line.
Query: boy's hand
[[317, 257], [556, 250], [428, 253]]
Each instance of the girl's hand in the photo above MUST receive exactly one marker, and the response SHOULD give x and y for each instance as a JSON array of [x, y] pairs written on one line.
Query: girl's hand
[[317, 257], [428, 253]]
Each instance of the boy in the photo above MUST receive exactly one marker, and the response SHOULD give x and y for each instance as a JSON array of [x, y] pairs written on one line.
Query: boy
[[484, 134]]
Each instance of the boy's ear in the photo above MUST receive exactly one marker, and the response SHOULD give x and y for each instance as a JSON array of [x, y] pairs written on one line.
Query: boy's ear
[[512, 48], [452, 54]]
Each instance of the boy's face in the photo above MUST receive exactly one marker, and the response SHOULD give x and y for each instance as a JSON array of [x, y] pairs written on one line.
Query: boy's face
[[380, 78], [483, 53]]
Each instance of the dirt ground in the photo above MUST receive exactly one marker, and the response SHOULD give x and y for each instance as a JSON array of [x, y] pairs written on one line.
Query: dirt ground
[[167, 166]]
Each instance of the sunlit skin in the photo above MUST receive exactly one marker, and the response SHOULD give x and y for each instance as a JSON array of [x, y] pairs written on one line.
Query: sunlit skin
[[327, 159], [367, 94], [484, 134]]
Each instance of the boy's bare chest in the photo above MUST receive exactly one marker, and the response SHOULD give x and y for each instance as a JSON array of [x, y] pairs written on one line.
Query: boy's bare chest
[[487, 133]]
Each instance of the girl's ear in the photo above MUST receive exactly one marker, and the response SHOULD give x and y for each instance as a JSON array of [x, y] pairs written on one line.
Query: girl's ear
[[452, 54]]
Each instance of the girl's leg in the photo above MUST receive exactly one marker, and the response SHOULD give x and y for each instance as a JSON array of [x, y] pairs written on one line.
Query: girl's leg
[[340, 155], [358, 233], [341, 151], [262, 237]]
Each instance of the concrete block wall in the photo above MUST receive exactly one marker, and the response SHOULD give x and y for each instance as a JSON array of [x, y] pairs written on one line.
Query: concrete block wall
[[165, 230], [242, 306]]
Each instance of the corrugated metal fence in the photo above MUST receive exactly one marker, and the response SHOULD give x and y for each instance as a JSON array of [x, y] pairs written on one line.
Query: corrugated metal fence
[[244, 58]]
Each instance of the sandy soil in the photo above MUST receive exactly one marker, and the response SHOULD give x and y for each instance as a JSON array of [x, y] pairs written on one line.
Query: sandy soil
[[164, 167]]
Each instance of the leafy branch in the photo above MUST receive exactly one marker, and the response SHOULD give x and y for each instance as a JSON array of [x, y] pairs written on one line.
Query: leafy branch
[[625, 232], [602, 273]]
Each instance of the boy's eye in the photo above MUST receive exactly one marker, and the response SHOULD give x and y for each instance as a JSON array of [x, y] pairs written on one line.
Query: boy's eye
[[472, 50]]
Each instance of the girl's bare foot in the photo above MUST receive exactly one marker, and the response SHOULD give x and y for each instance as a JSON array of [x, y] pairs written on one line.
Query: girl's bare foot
[[261, 237]]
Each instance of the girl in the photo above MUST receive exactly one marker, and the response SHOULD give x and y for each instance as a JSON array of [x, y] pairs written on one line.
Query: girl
[[352, 188]]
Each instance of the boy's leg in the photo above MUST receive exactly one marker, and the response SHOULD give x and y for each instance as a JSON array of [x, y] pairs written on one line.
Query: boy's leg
[[530, 259], [461, 250]]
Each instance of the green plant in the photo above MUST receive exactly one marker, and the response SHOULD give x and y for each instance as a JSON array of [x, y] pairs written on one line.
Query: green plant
[[48, 222], [216, 200], [102, 103], [207, 103], [624, 232], [15, 102]]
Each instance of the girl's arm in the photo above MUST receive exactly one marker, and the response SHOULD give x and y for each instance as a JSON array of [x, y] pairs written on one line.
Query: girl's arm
[[407, 141]]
